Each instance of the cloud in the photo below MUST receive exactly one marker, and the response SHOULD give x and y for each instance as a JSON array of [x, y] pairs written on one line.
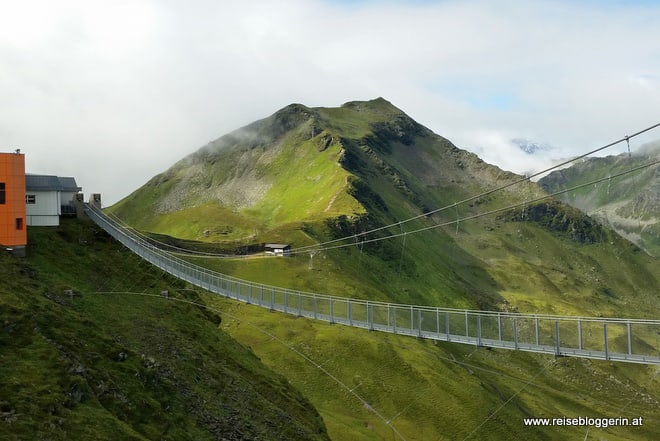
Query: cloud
[[646, 81], [115, 92]]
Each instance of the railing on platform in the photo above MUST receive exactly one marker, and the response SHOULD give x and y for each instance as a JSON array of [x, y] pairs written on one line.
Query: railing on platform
[[630, 340]]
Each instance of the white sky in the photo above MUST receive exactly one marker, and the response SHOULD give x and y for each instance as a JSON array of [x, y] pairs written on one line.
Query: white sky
[[114, 92]]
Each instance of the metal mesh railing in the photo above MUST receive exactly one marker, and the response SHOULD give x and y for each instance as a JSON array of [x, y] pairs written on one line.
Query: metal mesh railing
[[630, 340]]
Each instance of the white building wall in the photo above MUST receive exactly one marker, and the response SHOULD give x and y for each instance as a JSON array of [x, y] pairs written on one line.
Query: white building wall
[[46, 210], [43, 221]]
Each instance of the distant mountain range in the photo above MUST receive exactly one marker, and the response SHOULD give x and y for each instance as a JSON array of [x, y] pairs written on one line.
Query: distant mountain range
[[630, 204], [531, 147]]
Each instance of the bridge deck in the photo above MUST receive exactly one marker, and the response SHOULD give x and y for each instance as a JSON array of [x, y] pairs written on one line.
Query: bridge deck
[[615, 339]]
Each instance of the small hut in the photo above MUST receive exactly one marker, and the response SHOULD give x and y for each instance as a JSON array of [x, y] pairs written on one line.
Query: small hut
[[277, 249]]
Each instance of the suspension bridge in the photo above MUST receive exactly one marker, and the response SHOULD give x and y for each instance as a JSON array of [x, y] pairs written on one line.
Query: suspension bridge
[[613, 339]]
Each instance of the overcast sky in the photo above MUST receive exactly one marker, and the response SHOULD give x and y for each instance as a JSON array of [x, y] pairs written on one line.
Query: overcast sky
[[115, 92]]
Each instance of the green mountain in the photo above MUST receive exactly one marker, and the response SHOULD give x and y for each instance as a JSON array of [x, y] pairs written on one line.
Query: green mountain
[[309, 175], [303, 164], [629, 204], [80, 363]]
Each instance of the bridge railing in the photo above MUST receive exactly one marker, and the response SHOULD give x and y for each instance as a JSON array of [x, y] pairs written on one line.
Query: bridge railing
[[631, 340]]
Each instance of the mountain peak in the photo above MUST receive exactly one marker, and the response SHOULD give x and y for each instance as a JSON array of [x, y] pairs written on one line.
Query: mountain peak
[[294, 108], [289, 117], [380, 101], [378, 105], [308, 163]]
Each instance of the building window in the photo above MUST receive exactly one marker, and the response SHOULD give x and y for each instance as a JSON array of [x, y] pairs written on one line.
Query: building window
[[19, 223], [30, 199], [2, 192]]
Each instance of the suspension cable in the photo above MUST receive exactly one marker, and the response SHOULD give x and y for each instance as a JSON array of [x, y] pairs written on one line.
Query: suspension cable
[[494, 211], [486, 193]]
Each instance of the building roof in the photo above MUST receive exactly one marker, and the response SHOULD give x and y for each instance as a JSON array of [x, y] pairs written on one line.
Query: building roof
[[277, 245], [50, 183]]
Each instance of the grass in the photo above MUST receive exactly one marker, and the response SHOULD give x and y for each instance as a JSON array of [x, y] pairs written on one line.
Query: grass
[[79, 364]]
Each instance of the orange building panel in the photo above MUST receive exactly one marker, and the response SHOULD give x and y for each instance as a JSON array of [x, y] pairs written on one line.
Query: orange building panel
[[13, 233]]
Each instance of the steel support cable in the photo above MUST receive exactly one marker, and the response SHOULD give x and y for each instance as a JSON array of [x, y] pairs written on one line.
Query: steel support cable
[[183, 251], [486, 193], [625, 405], [618, 409], [491, 415], [482, 369], [180, 251], [490, 212], [138, 237]]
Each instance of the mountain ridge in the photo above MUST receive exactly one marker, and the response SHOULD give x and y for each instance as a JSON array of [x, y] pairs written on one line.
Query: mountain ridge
[[236, 170]]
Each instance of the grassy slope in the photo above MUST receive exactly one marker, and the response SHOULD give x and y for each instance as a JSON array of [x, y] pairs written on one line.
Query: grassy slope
[[289, 167], [441, 391], [295, 196], [119, 366]]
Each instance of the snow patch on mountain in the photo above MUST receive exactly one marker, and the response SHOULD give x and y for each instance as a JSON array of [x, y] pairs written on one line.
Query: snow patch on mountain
[[531, 147]]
